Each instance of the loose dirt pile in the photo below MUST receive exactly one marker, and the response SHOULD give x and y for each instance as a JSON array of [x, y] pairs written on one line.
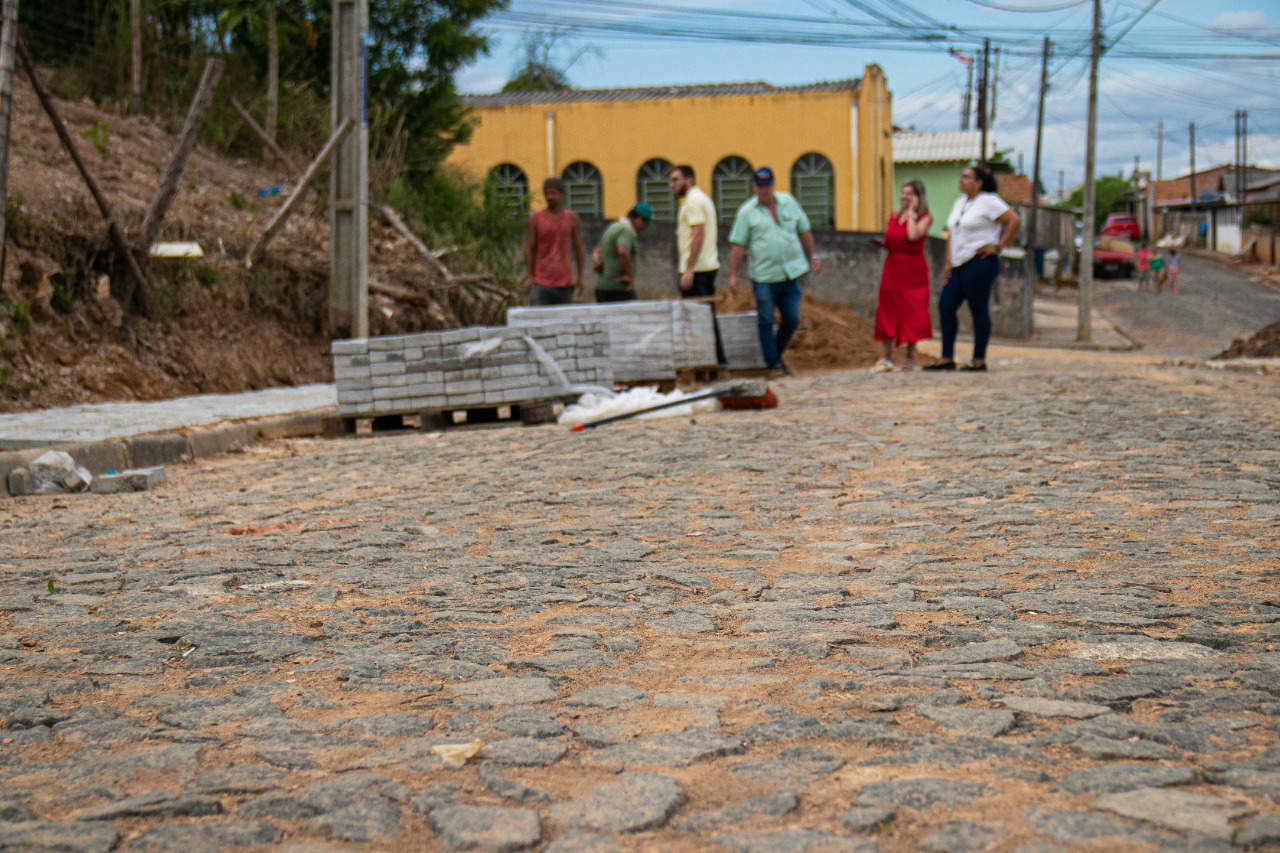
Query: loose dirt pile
[[830, 337], [1264, 343]]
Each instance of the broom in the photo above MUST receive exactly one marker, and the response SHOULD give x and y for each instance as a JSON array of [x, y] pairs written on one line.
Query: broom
[[740, 395]]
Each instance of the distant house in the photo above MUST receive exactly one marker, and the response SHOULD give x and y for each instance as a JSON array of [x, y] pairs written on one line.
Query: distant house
[[829, 144], [937, 159]]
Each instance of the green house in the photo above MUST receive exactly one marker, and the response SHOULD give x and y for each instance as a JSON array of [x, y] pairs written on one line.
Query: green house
[[937, 159]]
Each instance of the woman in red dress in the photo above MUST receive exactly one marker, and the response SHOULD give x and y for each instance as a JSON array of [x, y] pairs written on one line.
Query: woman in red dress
[[902, 314]]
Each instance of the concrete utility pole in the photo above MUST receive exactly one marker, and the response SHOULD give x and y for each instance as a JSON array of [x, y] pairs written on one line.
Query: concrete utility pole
[[8, 61], [349, 182], [1084, 316], [1191, 130], [1244, 156], [1159, 151], [135, 51], [968, 98], [1033, 237]]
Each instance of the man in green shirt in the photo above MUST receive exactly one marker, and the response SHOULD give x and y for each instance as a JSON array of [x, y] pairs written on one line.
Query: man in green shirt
[[615, 258], [773, 232]]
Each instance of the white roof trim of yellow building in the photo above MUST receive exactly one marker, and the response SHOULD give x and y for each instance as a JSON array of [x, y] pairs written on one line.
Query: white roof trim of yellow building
[[945, 147], [649, 93]]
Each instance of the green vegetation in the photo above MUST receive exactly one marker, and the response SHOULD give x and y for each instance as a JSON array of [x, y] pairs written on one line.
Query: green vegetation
[[19, 311], [99, 135], [1109, 197]]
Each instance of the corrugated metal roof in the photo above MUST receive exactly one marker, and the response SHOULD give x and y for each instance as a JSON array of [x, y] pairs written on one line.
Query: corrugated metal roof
[[648, 93], [945, 147]]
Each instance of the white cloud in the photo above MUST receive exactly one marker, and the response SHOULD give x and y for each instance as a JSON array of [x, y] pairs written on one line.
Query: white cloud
[[1247, 21]]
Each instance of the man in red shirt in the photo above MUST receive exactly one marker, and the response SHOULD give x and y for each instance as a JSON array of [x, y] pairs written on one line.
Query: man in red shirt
[[549, 278]]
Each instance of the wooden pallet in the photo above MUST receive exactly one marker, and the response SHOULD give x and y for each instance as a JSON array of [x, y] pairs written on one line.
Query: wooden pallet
[[531, 413]]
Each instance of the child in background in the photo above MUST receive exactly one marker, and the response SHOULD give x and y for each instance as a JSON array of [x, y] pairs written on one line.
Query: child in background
[[1172, 272], [1157, 270], [1144, 267]]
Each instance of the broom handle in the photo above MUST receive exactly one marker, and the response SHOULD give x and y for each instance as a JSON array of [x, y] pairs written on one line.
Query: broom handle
[[693, 398]]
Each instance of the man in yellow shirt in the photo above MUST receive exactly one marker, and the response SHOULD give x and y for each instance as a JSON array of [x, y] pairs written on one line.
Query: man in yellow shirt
[[696, 238]]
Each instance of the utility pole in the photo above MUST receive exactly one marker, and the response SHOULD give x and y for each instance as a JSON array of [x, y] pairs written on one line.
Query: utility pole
[[1159, 151], [982, 100], [1244, 156], [349, 182], [1062, 185], [1192, 133], [1033, 236], [8, 61], [995, 85], [968, 97], [135, 52], [1084, 316]]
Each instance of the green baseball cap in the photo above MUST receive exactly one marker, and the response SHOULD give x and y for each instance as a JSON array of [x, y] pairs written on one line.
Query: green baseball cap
[[644, 211]]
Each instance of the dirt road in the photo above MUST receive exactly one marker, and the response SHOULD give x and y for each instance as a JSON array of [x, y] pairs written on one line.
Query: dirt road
[[1215, 305]]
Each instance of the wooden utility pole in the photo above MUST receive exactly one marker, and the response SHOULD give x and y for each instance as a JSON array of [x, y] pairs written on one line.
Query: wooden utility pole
[[135, 53], [1244, 159], [349, 183], [273, 70], [8, 59], [1033, 237], [168, 186], [982, 100], [967, 104], [60, 128], [1084, 315]]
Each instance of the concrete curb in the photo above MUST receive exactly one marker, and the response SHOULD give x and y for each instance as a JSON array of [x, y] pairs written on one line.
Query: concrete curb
[[146, 451]]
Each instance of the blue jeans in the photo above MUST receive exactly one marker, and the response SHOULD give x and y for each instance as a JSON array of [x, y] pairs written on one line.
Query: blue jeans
[[785, 296], [970, 282]]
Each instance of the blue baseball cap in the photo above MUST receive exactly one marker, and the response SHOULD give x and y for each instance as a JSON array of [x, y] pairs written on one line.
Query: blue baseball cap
[[763, 175]]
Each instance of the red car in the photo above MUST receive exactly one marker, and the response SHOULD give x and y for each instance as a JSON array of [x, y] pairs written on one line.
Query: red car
[[1114, 256], [1122, 225]]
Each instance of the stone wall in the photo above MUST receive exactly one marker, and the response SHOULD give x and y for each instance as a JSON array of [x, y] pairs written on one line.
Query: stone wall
[[850, 276]]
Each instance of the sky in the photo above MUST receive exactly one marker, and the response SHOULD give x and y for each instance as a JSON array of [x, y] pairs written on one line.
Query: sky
[[1170, 61]]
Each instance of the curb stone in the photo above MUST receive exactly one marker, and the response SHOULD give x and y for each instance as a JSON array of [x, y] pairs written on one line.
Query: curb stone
[[147, 451]]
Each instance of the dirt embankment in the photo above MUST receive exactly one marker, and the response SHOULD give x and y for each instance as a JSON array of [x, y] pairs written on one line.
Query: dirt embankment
[[70, 331]]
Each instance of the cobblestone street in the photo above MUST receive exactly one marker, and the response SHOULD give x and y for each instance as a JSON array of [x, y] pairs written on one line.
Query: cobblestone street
[[1031, 610]]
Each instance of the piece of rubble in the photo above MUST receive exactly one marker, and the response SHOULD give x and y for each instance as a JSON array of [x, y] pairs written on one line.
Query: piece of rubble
[[133, 480]]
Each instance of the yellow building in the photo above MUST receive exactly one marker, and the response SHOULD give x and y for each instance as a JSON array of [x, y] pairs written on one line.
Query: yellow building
[[830, 144]]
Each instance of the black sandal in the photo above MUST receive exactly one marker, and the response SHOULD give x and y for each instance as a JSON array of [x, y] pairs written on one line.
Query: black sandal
[[940, 365], [974, 368]]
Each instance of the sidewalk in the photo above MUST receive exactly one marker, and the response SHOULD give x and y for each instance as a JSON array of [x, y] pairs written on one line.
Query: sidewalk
[[138, 435]]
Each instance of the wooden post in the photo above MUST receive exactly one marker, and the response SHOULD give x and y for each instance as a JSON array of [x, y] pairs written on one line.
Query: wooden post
[[273, 70], [8, 39], [168, 186], [59, 127], [282, 215], [135, 55], [263, 136]]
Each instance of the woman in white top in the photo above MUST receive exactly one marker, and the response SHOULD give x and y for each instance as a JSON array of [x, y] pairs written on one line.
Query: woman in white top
[[980, 225]]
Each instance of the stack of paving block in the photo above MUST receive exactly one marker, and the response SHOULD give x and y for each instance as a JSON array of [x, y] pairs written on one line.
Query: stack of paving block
[[647, 340], [476, 367], [741, 339]]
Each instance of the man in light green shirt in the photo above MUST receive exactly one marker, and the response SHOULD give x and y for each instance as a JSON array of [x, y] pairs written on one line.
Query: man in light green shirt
[[772, 231]]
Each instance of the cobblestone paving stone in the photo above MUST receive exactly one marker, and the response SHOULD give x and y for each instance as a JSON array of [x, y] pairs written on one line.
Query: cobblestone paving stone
[[1031, 610]]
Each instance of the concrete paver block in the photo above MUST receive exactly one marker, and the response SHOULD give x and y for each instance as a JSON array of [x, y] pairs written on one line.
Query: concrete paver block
[[223, 439]]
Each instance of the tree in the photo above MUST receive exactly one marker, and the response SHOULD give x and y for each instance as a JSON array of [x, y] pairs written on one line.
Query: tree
[[1111, 195], [540, 71]]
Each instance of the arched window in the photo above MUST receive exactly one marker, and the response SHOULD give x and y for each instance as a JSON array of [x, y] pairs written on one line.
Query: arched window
[[583, 189], [813, 183], [651, 188], [730, 187], [510, 186]]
